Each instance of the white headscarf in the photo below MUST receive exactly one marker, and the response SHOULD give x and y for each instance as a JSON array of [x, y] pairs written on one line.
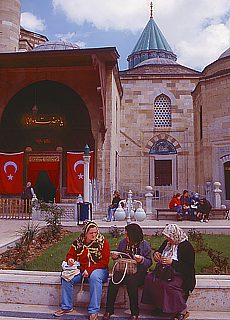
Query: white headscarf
[[174, 232]]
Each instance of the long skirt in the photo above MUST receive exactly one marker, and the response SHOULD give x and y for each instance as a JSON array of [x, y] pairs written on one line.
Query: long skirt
[[168, 296]]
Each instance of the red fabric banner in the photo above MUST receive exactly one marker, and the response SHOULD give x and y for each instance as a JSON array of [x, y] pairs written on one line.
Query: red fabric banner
[[11, 173], [75, 172], [52, 167]]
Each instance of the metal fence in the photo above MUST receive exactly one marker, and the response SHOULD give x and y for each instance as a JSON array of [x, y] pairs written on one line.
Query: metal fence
[[11, 208], [161, 195]]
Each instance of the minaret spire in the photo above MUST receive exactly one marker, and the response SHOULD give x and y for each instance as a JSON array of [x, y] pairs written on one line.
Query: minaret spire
[[151, 9]]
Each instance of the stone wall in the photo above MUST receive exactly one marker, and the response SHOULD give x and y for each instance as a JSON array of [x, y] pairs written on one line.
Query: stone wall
[[212, 104], [138, 131]]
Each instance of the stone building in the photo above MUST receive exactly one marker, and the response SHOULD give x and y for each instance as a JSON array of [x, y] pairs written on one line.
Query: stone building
[[157, 123], [157, 137], [10, 11], [211, 99]]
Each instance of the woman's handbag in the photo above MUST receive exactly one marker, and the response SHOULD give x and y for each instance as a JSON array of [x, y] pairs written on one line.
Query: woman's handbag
[[125, 266], [164, 272]]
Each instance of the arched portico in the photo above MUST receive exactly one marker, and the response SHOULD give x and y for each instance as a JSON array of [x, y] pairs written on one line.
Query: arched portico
[[49, 119], [44, 116]]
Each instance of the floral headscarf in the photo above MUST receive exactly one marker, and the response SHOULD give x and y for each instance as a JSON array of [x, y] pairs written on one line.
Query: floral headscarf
[[174, 232], [94, 248]]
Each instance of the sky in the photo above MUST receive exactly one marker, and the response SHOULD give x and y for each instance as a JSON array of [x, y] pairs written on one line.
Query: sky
[[198, 31]]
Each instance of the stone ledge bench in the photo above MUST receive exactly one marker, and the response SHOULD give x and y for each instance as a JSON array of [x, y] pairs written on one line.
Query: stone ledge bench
[[166, 213], [44, 288]]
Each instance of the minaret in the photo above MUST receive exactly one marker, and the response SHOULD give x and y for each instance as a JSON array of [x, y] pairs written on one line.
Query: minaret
[[10, 11], [151, 44]]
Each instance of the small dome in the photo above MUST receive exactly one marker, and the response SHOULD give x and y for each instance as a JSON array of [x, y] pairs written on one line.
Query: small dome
[[225, 54], [154, 61], [56, 45]]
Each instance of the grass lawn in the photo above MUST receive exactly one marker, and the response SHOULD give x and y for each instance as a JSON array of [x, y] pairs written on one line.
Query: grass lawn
[[52, 258]]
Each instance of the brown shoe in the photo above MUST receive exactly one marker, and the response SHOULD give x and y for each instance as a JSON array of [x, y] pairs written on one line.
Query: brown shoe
[[93, 316], [60, 312], [182, 316], [106, 316]]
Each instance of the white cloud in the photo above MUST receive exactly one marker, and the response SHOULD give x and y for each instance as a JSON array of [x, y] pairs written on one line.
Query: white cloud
[[31, 22], [205, 48], [105, 14], [71, 36], [197, 30]]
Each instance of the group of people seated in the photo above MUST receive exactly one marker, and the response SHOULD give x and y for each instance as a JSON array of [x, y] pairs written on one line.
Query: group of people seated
[[166, 288], [194, 208]]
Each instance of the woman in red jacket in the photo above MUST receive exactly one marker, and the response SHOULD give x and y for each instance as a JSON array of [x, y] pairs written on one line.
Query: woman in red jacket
[[92, 251], [175, 205]]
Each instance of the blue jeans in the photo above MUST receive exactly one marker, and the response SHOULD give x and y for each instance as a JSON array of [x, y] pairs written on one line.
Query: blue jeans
[[110, 215], [97, 277], [179, 209]]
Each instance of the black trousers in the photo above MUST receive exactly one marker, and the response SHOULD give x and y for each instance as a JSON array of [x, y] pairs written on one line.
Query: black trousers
[[132, 282]]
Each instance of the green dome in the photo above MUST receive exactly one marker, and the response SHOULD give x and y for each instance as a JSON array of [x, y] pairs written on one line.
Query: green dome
[[151, 44], [152, 39]]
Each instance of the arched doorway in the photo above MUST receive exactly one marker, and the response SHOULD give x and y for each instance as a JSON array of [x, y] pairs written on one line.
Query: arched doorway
[[163, 164], [45, 117]]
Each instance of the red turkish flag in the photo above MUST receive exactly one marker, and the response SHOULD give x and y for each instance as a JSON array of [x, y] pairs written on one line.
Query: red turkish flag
[[11, 173], [75, 172]]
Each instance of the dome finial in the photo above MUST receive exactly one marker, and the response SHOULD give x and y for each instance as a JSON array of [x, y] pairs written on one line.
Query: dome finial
[[151, 9]]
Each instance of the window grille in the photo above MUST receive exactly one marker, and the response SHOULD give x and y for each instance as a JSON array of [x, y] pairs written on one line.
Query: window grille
[[162, 112]]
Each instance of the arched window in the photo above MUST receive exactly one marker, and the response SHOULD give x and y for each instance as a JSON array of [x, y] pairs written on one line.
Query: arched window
[[162, 111]]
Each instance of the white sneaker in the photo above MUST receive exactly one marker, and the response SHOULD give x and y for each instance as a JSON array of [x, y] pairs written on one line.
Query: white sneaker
[[201, 220], [206, 220]]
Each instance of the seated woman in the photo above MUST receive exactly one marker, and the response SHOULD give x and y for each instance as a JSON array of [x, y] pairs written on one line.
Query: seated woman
[[139, 249], [169, 294], [195, 201], [175, 205], [113, 206], [92, 250]]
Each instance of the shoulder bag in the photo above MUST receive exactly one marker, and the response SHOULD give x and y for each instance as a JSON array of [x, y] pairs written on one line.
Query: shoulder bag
[[124, 265], [164, 272]]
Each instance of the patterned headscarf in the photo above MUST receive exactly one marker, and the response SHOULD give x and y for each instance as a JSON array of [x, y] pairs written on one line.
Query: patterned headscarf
[[174, 232], [94, 248]]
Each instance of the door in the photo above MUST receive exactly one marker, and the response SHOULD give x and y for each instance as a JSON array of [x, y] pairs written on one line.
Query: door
[[44, 172]]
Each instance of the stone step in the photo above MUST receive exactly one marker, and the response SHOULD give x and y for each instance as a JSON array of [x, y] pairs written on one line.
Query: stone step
[[28, 312], [42, 288]]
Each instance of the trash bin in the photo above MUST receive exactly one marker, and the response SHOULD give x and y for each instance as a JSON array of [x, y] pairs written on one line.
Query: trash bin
[[84, 211]]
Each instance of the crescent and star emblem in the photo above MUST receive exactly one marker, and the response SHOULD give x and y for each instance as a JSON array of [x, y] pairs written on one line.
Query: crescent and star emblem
[[77, 163], [7, 164]]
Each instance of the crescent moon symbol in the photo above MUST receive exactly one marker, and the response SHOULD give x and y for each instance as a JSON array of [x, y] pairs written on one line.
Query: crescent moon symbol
[[10, 163], [77, 163]]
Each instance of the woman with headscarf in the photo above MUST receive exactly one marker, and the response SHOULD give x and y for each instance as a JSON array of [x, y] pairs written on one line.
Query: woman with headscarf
[[169, 294], [138, 249], [92, 251]]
